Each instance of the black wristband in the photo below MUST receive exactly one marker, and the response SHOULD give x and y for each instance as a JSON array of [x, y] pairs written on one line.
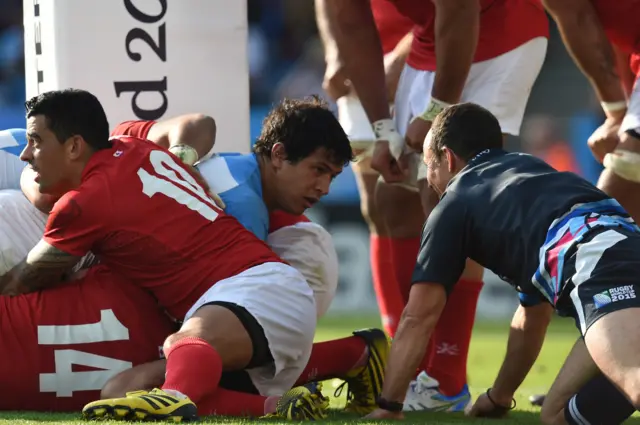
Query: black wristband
[[391, 406], [498, 407]]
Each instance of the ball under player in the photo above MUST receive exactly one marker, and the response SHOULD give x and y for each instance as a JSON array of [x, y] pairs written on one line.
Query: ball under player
[[259, 187], [551, 235], [488, 52], [109, 190]]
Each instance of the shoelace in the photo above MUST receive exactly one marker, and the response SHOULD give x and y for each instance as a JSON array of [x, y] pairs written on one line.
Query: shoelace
[[355, 386]]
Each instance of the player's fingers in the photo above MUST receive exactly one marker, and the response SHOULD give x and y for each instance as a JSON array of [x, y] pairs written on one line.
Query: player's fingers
[[217, 199]]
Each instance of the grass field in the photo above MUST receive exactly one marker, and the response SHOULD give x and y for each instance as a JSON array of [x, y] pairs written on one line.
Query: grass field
[[487, 350]]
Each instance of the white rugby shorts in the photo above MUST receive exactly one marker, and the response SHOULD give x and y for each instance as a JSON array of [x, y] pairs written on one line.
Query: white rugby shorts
[[501, 84], [280, 299]]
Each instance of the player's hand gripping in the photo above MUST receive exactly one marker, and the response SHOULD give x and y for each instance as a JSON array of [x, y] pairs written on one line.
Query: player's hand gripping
[[202, 182], [605, 139], [388, 153], [335, 83], [486, 407], [416, 133]]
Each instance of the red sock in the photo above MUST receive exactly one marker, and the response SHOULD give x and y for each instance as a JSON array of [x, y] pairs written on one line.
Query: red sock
[[232, 403], [333, 359], [452, 337], [404, 255], [194, 368], [390, 300]]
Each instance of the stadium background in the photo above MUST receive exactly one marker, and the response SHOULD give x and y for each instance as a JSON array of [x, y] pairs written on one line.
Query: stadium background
[[285, 58]]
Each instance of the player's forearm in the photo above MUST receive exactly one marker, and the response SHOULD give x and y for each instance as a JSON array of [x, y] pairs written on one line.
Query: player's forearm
[[326, 31], [359, 47], [587, 43], [195, 130], [408, 349], [528, 329], [623, 65], [457, 25], [45, 266]]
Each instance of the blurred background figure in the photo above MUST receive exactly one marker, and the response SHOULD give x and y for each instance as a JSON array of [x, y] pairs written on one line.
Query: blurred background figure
[[541, 138]]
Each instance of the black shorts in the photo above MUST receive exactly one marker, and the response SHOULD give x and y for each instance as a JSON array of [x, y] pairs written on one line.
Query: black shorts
[[601, 276]]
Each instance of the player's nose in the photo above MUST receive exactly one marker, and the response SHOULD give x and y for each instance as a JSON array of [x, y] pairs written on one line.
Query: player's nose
[[27, 153]]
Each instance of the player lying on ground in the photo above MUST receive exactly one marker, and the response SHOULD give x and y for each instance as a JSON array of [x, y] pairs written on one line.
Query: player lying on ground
[[113, 326], [551, 235], [304, 245], [242, 307]]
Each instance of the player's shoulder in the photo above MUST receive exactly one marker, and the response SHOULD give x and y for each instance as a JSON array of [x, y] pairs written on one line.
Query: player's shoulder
[[136, 128]]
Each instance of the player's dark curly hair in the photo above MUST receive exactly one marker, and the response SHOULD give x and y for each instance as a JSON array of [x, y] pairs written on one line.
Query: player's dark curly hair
[[72, 112], [303, 126], [467, 129]]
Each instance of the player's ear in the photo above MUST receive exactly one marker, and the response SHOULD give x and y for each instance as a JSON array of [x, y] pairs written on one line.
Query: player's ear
[[278, 155], [451, 159], [75, 146]]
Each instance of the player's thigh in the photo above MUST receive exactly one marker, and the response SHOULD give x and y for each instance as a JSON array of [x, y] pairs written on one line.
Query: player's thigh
[[577, 370], [309, 248], [401, 210], [605, 297], [412, 96], [503, 84], [281, 302]]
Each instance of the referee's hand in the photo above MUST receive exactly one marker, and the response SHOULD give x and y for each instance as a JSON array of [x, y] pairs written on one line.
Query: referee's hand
[[485, 408]]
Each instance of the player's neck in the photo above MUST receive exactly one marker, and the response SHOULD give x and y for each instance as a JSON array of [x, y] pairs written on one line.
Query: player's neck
[[267, 179]]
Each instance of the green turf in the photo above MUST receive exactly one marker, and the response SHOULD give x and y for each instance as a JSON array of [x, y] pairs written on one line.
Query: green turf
[[487, 350]]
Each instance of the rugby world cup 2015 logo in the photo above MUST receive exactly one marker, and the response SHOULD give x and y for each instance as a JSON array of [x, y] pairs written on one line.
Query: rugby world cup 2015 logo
[[609, 296]]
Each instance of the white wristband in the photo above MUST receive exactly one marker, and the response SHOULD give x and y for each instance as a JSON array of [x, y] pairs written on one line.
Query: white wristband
[[614, 106], [385, 130]]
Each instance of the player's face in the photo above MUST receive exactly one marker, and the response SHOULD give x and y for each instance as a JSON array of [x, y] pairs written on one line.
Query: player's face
[[302, 184], [47, 156]]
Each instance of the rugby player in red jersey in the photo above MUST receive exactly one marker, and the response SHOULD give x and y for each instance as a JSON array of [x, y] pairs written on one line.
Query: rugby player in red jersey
[[237, 298], [484, 51]]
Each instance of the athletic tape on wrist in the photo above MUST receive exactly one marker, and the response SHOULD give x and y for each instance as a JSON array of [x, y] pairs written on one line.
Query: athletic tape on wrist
[[385, 130], [625, 164], [614, 106], [433, 109], [186, 153]]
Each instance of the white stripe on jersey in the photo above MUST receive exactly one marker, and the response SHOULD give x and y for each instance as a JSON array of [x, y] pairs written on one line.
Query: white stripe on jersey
[[217, 174]]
